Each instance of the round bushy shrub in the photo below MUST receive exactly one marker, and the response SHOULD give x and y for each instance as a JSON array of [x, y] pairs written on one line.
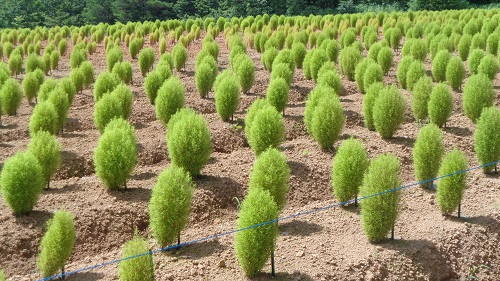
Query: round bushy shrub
[[22, 182], [266, 129], [146, 60], [106, 82], [478, 93], [299, 52], [246, 74], [418, 50], [277, 93], [43, 118], [59, 99], [170, 99], [389, 111], [116, 154], [254, 246], [62, 47], [332, 50], [31, 85], [77, 56], [34, 62], [327, 122], [152, 84], [57, 244], [54, 60], [385, 59], [272, 173], [47, 151], [46, 88], [348, 168], [330, 78], [107, 109], [450, 189], [87, 70], [464, 46], [440, 104], [285, 56], [379, 213], [455, 73], [252, 112], [69, 88], [204, 77], [488, 66], [492, 43], [415, 72], [268, 58], [138, 268], [313, 99], [349, 58], [124, 71], [374, 73], [77, 78], [170, 204], [439, 64], [180, 55], [427, 153], [359, 73], [374, 50], [113, 56], [420, 96], [281, 70], [486, 138], [402, 71], [475, 58], [227, 97], [10, 96], [369, 99], [188, 141], [318, 58], [134, 47], [125, 97]]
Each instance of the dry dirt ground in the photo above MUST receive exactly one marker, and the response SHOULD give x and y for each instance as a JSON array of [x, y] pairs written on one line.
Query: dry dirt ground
[[327, 245]]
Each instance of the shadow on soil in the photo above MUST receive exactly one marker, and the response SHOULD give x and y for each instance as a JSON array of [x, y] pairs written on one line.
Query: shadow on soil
[[221, 189], [86, 276], [282, 276], [131, 194], [35, 218], [299, 228], [199, 250], [462, 132]]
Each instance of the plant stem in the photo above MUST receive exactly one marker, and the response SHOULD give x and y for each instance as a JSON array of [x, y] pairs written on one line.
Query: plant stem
[[392, 233], [459, 207], [272, 264]]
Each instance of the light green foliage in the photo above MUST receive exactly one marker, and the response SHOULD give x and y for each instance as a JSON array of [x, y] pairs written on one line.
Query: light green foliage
[[268, 58], [106, 109], [43, 118], [281, 70], [57, 243], [33, 62], [246, 74], [464, 46], [349, 58], [152, 84], [415, 72], [254, 246], [492, 43], [59, 99], [106, 82], [330, 78], [277, 93], [204, 77], [179, 54], [124, 71], [385, 59], [134, 47], [488, 66], [299, 52], [428, 152], [69, 88], [188, 141], [46, 88], [139, 268], [455, 73], [170, 99], [327, 122], [450, 190], [373, 74], [2, 273], [420, 96], [285, 56], [272, 173], [369, 99], [252, 112], [379, 213], [54, 60], [22, 182], [374, 50], [10, 97], [266, 129], [62, 47], [389, 111], [78, 78], [475, 58], [87, 70], [307, 63], [170, 204], [31, 85], [125, 96], [113, 56], [486, 137], [402, 71], [440, 104], [116, 154], [359, 73], [47, 151], [77, 56], [146, 60], [313, 99], [332, 50], [439, 64], [348, 168], [478, 93], [418, 50], [227, 96]]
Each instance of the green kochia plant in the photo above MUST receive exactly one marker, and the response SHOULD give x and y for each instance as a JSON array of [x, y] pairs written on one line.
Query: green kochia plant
[[254, 245], [170, 99], [47, 151], [348, 168], [388, 111], [59, 99], [22, 182], [245, 74], [265, 128], [439, 64], [139, 268], [359, 73], [455, 73], [440, 104], [450, 189], [402, 71], [188, 141], [348, 59], [146, 60], [416, 70], [428, 153], [327, 122], [116, 154], [379, 213], [170, 204], [180, 56], [478, 93], [369, 99], [227, 96], [420, 96], [43, 118], [271, 172], [277, 94], [10, 96], [106, 82], [107, 109], [31, 84], [152, 84], [486, 138], [57, 243]]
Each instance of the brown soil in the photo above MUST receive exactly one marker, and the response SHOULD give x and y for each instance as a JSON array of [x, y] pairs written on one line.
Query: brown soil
[[327, 245]]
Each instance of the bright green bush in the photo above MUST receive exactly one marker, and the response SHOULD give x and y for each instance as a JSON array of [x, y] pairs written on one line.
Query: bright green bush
[[374, 50], [152, 84], [170, 99], [57, 243], [69, 88], [31, 85], [313, 99], [385, 59], [415, 72], [113, 56], [116, 154], [47, 151], [418, 50], [204, 77], [402, 71], [478, 93], [420, 96], [486, 138], [450, 189], [63, 47], [492, 43], [59, 99], [464, 46], [281, 70], [146, 60], [46, 88], [106, 109], [478, 41], [330, 78], [369, 99], [428, 152], [389, 111], [54, 60], [78, 78], [188, 141], [179, 54], [440, 104], [488, 66], [306, 64], [348, 168], [475, 58], [266, 129], [349, 58], [285, 56], [277, 94], [374, 73], [227, 97], [139, 268], [299, 52], [22, 182], [327, 121], [332, 50], [125, 96], [106, 82], [124, 71], [77, 57], [455, 73], [379, 213], [10, 96], [43, 118], [33, 62], [439, 64], [246, 74], [272, 173], [170, 204], [2, 275], [134, 47], [268, 58], [254, 246], [87, 70], [359, 73]]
